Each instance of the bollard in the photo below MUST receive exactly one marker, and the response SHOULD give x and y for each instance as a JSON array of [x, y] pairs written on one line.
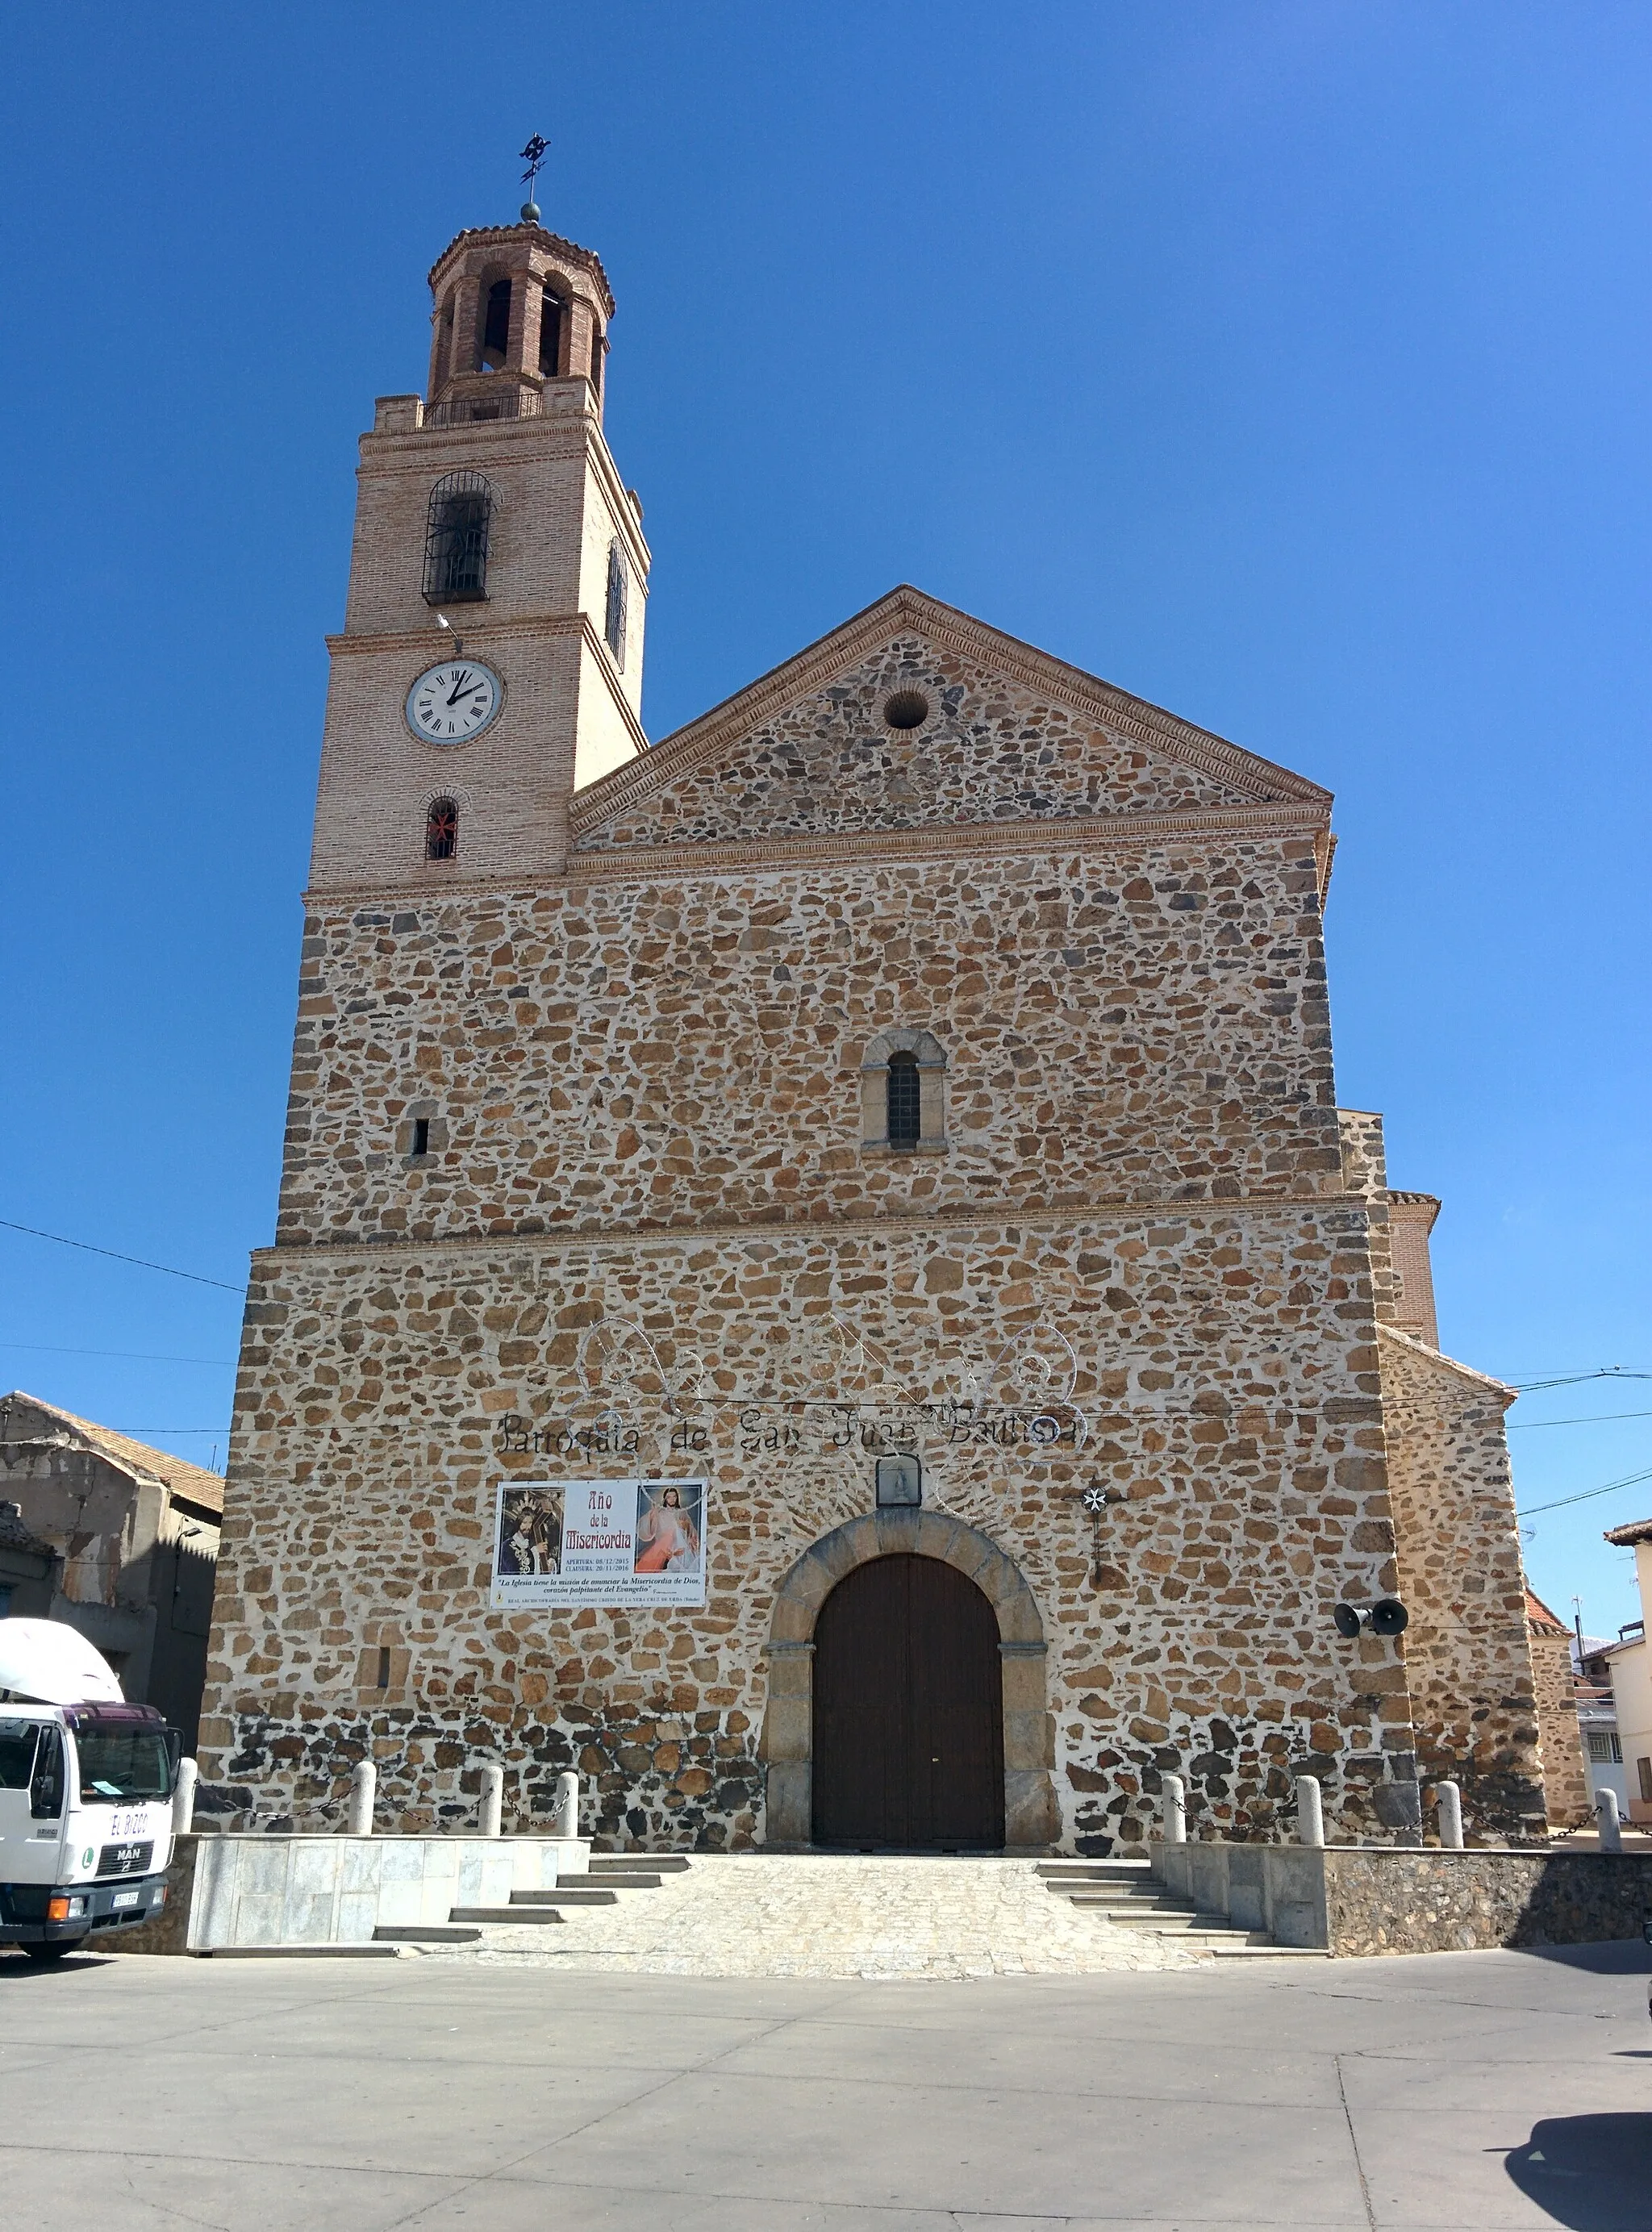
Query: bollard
[[493, 1800], [1175, 1810], [184, 1798], [1310, 1811], [565, 1816], [1611, 1837], [1448, 1801], [364, 1783]]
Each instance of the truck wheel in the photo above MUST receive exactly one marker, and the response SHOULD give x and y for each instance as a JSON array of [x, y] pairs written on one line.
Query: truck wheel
[[55, 1949]]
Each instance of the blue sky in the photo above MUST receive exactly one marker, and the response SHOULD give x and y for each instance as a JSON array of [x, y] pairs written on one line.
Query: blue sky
[[1283, 363]]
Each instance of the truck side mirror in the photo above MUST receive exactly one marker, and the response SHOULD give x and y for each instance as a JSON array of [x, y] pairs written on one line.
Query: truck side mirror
[[46, 1785], [174, 1753]]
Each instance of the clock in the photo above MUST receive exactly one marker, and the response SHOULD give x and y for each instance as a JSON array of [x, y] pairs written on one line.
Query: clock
[[450, 704]]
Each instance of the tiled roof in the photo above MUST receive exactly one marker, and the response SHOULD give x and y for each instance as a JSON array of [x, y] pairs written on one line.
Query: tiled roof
[[14, 1536], [1638, 1530], [1539, 1615], [193, 1483]]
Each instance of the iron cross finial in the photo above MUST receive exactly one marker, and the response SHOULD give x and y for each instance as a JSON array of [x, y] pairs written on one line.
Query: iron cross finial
[[533, 155]]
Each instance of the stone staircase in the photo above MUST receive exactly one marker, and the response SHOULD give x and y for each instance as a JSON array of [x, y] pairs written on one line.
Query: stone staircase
[[837, 1914], [610, 1875], [1123, 1895]]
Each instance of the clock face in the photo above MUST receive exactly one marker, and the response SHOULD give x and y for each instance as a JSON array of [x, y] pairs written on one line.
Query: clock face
[[450, 704]]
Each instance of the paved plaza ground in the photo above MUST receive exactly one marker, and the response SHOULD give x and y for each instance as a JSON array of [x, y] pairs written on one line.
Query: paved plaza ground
[[1447, 2090]]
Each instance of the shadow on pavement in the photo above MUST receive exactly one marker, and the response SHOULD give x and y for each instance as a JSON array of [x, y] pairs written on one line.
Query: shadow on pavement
[[1592, 2172], [1617, 1956]]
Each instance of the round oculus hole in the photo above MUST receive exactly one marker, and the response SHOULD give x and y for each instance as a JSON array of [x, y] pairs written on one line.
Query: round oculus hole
[[907, 709]]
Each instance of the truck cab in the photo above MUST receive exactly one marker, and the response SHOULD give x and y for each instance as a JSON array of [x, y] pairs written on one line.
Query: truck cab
[[85, 1797]]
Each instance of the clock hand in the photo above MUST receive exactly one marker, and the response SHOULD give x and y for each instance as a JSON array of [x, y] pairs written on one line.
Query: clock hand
[[460, 689]]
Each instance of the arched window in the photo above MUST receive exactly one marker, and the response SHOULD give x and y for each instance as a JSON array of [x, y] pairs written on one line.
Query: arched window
[[496, 327], [903, 1094], [598, 344], [619, 597], [440, 829], [905, 1127], [550, 334], [456, 539]]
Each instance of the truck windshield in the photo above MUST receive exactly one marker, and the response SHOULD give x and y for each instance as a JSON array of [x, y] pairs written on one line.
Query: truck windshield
[[122, 1765]]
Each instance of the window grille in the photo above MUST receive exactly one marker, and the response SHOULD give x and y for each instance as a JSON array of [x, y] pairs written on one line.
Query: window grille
[[1604, 1748], [619, 597], [441, 829], [904, 1119], [456, 539]]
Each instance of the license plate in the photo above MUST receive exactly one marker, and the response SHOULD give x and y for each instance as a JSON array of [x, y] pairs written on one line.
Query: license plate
[[125, 1898]]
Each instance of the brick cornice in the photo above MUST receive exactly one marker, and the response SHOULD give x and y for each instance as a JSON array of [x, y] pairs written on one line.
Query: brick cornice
[[906, 1223], [945, 626], [947, 840]]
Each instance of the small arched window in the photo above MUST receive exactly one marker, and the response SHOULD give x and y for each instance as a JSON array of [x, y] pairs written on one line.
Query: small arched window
[[550, 334], [598, 346], [903, 1094], [496, 327], [441, 829], [456, 539], [618, 598], [905, 1123]]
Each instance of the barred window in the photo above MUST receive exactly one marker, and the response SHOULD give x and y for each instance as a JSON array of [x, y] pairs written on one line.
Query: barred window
[[1605, 1749], [905, 1122], [441, 829], [619, 597], [456, 539]]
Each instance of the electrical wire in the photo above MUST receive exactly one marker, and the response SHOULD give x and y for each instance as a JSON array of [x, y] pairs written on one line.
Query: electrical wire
[[129, 1355], [1587, 1494], [114, 1256]]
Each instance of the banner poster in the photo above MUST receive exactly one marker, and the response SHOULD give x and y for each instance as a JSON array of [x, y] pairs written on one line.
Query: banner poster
[[598, 1543]]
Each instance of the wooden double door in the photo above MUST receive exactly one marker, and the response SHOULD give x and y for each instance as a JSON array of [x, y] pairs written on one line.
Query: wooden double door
[[908, 1711]]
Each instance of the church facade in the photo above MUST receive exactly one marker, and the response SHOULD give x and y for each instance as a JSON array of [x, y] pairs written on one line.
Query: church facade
[[820, 1278]]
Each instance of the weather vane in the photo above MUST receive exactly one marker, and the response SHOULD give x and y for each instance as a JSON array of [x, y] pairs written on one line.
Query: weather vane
[[533, 155]]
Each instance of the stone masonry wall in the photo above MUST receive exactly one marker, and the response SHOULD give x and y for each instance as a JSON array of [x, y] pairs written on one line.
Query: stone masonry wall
[[1565, 1777], [1228, 1373], [652, 1052], [991, 751], [1467, 1649]]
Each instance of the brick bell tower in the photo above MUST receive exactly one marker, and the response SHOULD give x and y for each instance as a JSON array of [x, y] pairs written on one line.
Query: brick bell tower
[[492, 655]]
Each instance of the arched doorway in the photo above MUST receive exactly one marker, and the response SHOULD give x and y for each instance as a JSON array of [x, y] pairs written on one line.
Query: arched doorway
[[908, 1710]]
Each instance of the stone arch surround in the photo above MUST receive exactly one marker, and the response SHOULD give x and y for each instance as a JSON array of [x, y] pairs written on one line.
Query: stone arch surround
[[1032, 1818]]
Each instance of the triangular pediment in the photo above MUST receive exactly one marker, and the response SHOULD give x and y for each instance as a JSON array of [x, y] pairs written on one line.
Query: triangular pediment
[[998, 732]]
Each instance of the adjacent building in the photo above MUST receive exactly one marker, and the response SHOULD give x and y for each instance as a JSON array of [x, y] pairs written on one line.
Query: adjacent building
[[118, 1539], [820, 1277], [1630, 1665]]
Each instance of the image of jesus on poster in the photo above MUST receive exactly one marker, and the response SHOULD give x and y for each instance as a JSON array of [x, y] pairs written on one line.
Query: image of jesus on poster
[[668, 1528]]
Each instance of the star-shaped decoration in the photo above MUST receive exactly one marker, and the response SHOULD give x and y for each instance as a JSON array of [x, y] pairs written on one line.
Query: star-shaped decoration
[[1095, 1499]]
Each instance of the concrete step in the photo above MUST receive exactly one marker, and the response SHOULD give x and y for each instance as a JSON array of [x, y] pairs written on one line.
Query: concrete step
[[1178, 1923], [658, 1863], [1267, 1950], [1089, 1894], [617, 1879], [1093, 1871], [528, 1916], [1099, 1902], [424, 1933]]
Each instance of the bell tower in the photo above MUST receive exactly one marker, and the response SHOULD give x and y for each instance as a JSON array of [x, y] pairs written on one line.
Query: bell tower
[[492, 653]]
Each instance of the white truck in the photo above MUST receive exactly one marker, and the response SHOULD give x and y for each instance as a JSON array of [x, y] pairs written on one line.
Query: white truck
[[86, 1793]]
